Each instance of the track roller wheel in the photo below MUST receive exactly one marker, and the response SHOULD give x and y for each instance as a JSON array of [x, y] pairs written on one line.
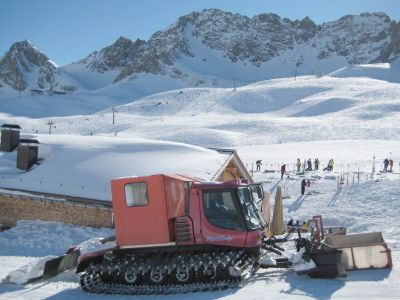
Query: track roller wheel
[[210, 272], [130, 276], [182, 274], [158, 276]]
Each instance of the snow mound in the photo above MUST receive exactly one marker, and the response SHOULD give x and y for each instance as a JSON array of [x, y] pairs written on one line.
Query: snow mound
[[26, 272], [325, 106], [382, 71], [305, 265], [299, 263], [41, 238], [84, 166], [94, 244], [268, 98], [267, 260]]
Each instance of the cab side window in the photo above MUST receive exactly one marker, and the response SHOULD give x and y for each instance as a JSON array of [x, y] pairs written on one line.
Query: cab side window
[[136, 194]]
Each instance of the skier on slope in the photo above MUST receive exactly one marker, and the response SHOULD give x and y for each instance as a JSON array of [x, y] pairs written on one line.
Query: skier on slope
[[385, 165], [303, 186], [316, 164], [309, 165], [258, 164], [283, 170], [298, 164], [329, 167], [390, 165], [331, 162]]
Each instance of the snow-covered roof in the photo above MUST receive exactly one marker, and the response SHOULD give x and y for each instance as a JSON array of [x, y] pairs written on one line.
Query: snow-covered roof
[[83, 166]]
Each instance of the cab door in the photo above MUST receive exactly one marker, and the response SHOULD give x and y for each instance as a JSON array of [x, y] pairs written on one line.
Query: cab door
[[221, 218], [140, 211]]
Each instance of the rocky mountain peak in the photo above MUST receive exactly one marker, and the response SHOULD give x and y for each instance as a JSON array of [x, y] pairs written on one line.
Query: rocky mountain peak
[[241, 39], [360, 39], [25, 49], [22, 45], [306, 24], [116, 56], [22, 59], [123, 42]]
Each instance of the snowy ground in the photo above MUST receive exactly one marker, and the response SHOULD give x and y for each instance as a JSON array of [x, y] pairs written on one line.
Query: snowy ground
[[350, 119], [365, 205]]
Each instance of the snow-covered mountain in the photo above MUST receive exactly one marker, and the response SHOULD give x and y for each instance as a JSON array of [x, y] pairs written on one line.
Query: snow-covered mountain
[[213, 48], [188, 49], [26, 67]]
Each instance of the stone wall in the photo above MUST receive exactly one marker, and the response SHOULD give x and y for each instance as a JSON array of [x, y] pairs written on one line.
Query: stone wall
[[17, 207]]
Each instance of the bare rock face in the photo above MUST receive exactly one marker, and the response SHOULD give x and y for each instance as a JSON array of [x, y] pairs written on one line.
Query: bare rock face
[[255, 40], [238, 38], [359, 39], [392, 50], [116, 56], [22, 60]]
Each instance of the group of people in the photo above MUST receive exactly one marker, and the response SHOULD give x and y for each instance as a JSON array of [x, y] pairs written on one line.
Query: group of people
[[308, 165], [387, 163]]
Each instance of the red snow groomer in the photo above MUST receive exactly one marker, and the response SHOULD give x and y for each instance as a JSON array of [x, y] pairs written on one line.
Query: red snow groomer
[[176, 234]]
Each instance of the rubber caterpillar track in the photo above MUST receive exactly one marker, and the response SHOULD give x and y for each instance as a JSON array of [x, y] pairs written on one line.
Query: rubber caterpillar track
[[168, 274]]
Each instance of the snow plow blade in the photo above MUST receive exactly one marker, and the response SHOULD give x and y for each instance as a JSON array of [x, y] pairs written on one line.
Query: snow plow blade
[[362, 250], [58, 265], [61, 264], [64, 262]]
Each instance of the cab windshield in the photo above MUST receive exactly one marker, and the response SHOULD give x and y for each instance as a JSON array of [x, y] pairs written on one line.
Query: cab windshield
[[251, 216]]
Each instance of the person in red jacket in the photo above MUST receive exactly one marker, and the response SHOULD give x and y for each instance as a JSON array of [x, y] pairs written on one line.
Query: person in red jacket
[[283, 170]]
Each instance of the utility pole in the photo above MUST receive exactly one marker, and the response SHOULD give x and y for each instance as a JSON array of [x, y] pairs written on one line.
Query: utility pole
[[50, 123], [373, 166], [114, 110], [234, 84]]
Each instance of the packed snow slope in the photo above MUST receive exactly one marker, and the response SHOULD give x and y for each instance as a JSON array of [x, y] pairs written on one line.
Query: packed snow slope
[[282, 110], [88, 102], [84, 166]]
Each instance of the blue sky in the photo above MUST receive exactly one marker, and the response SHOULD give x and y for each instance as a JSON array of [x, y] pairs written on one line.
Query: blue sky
[[68, 30]]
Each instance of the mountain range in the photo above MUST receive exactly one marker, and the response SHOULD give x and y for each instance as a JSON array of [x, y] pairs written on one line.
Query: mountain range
[[208, 48]]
